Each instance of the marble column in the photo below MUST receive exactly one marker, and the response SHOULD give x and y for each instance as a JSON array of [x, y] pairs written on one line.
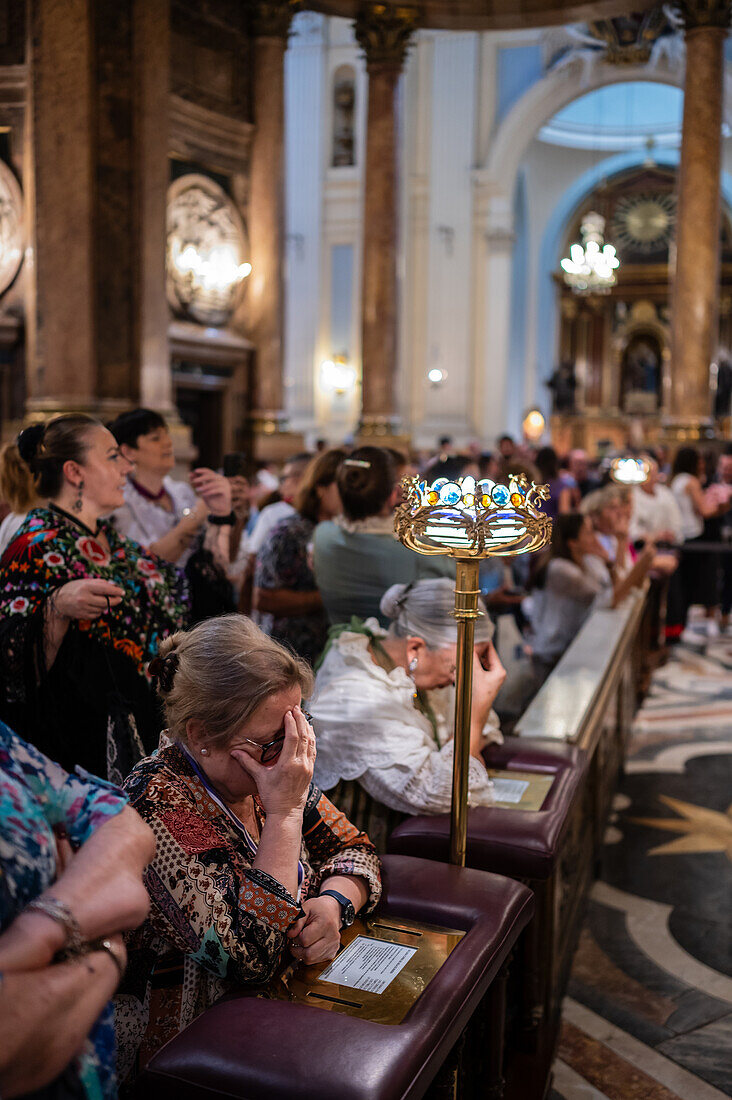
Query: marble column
[[265, 293], [696, 281], [63, 372], [384, 35], [99, 94], [152, 67]]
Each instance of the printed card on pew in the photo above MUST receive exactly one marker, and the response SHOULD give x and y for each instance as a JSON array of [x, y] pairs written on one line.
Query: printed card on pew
[[370, 965], [520, 790]]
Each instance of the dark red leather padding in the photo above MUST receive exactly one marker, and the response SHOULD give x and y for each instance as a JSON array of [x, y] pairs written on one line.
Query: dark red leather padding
[[255, 1049], [519, 843]]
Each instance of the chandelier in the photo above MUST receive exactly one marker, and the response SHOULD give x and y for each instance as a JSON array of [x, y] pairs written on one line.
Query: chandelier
[[590, 267]]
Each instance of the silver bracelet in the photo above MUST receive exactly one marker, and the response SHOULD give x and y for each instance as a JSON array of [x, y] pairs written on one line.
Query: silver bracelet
[[60, 912]]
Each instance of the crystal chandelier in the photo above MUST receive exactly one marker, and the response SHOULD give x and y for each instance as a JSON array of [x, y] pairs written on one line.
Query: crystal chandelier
[[590, 266]]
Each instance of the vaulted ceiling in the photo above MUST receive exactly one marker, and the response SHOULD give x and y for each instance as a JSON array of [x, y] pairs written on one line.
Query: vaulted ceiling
[[490, 14]]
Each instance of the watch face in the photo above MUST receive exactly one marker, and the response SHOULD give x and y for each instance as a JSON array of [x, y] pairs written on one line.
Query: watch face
[[348, 915]]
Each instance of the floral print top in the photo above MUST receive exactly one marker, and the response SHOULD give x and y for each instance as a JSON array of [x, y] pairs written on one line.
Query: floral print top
[[98, 688], [216, 921], [283, 563], [49, 551], [37, 796]]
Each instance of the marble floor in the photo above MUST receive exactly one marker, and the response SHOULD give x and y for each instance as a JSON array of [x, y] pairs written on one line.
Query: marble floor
[[649, 1008]]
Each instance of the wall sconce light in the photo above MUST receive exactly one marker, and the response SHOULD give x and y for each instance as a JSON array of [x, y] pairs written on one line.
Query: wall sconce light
[[436, 376], [206, 252], [533, 425], [337, 375], [216, 270]]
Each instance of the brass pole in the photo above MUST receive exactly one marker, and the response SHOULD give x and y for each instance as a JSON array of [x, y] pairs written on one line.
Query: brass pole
[[466, 612]]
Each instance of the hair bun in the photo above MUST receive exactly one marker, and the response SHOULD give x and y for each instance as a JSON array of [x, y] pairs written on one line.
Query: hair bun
[[393, 599], [29, 441], [163, 670]]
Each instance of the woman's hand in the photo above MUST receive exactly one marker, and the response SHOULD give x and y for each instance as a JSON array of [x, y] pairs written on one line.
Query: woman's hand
[[316, 937], [102, 885], [283, 787], [87, 599], [488, 677], [214, 488]]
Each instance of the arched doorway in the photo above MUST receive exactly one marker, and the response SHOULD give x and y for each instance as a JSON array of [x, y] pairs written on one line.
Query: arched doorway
[[619, 341]]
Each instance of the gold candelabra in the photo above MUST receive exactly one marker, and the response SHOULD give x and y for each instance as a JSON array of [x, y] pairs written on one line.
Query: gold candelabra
[[469, 520]]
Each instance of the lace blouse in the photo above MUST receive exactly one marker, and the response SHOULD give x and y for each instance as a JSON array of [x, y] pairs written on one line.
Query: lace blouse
[[368, 728]]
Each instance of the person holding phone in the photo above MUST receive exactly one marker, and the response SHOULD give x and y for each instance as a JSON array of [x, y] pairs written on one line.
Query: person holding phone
[[383, 709], [159, 512], [254, 865]]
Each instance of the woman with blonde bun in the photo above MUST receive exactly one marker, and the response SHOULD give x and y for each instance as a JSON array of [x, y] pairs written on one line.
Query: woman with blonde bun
[[18, 489], [383, 708], [252, 860]]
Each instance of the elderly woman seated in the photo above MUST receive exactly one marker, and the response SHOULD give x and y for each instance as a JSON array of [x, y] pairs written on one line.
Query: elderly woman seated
[[383, 706], [252, 860]]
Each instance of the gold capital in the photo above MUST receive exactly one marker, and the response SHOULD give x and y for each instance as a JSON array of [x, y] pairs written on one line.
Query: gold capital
[[383, 31], [272, 18], [705, 13]]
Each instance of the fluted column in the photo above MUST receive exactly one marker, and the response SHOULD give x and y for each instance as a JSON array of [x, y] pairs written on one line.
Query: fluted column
[[383, 33], [696, 281], [271, 28]]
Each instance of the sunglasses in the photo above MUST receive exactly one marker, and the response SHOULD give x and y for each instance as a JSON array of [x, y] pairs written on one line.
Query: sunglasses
[[270, 750]]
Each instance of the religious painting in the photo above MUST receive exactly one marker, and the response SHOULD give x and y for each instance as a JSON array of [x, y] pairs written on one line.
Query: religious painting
[[640, 374]]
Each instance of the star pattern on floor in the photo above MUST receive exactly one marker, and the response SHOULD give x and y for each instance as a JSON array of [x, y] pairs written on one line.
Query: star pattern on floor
[[704, 830]]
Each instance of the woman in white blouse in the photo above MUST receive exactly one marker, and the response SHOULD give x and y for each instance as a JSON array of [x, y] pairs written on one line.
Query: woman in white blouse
[[383, 704]]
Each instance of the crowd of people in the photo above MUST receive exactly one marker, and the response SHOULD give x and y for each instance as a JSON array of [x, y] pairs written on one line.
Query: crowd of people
[[160, 641]]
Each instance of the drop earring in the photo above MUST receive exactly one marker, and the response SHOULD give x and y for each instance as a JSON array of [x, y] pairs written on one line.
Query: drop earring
[[412, 665], [77, 505]]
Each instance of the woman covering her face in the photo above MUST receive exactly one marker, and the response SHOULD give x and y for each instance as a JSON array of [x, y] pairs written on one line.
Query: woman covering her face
[[253, 863], [383, 708]]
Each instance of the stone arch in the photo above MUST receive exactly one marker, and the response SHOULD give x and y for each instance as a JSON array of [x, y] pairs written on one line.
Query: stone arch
[[560, 87], [551, 243]]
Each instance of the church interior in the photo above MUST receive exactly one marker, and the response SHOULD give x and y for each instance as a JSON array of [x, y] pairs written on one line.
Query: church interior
[[384, 347]]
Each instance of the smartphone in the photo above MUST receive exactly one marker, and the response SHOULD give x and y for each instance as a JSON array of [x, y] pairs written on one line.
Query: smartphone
[[235, 464]]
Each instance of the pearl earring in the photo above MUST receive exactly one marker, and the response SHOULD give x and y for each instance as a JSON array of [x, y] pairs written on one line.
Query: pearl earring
[[204, 752], [413, 664]]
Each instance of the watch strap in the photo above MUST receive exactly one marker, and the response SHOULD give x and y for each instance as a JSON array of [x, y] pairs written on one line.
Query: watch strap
[[222, 521], [344, 902]]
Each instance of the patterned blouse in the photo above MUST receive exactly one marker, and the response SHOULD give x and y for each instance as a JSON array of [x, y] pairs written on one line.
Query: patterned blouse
[[283, 563], [216, 921], [90, 707], [37, 796]]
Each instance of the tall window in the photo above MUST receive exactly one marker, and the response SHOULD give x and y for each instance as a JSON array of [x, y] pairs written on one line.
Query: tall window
[[344, 116]]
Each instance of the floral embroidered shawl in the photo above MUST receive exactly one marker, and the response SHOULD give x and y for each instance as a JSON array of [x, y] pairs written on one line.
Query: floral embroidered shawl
[[98, 683]]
